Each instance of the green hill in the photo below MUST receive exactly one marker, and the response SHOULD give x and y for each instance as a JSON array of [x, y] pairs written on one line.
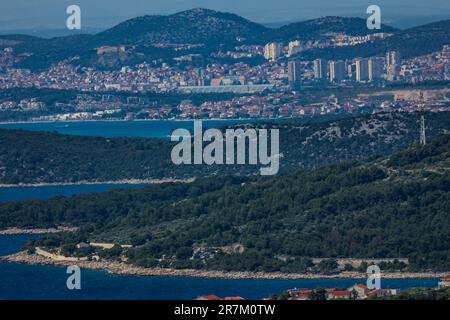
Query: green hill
[[35, 157], [215, 29], [192, 26], [387, 208], [197, 26], [318, 28], [411, 42]]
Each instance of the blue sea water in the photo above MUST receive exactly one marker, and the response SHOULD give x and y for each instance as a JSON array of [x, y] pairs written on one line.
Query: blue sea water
[[21, 281], [146, 129], [45, 192]]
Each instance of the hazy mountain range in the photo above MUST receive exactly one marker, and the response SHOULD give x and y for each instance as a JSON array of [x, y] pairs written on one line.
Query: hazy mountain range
[[46, 15], [213, 29]]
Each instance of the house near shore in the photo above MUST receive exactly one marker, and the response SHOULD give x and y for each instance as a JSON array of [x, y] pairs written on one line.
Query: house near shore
[[212, 297], [233, 298], [339, 295], [208, 297], [300, 294], [445, 282], [328, 294], [381, 293], [359, 290]]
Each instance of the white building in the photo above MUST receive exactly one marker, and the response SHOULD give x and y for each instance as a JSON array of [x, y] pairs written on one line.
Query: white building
[[294, 47], [272, 51]]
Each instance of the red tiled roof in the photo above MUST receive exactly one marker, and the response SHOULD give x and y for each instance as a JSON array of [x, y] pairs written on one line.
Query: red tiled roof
[[301, 291], [233, 298], [361, 285], [210, 297], [377, 290], [306, 291]]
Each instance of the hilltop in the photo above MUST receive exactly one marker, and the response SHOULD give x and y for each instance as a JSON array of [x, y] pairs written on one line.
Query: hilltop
[[201, 26], [318, 28], [213, 30], [210, 29]]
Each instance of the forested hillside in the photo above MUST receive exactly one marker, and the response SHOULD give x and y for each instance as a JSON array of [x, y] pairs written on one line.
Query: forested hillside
[[387, 208], [35, 157]]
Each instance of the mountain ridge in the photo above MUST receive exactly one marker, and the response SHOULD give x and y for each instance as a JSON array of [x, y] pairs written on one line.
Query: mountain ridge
[[410, 42], [218, 30], [194, 15], [197, 26]]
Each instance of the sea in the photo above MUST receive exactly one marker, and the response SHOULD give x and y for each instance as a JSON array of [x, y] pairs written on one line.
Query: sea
[[35, 282], [136, 128]]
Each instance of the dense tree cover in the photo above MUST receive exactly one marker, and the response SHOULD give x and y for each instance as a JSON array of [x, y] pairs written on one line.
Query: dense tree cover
[[191, 26], [357, 210], [48, 96], [33, 157], [423, 294], [92, 212], [432, 153]]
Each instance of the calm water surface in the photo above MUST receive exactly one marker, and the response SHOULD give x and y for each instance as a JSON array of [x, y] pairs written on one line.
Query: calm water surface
[[19, 281]]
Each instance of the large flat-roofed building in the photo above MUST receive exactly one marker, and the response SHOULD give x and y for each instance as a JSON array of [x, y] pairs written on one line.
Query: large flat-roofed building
[[252, 88]]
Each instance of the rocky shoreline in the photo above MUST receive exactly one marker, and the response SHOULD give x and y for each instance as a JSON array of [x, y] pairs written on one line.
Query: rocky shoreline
[[125, 181], [15, 231], [121, 268]]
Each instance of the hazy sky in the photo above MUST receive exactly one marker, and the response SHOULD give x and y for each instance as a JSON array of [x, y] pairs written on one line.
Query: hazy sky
[[29, 14]]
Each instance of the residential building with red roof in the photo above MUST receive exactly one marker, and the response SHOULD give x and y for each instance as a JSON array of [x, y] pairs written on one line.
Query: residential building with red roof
[[381, 293], [208, 297], [300, 294], [340, 295], [445, 281]]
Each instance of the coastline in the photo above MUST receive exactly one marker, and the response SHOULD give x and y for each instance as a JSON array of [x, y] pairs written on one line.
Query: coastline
[[135, 120], [121, 268], [17, 231], [126, 181]]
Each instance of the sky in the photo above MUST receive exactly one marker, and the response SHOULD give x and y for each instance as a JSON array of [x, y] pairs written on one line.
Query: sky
[[51, 14]]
